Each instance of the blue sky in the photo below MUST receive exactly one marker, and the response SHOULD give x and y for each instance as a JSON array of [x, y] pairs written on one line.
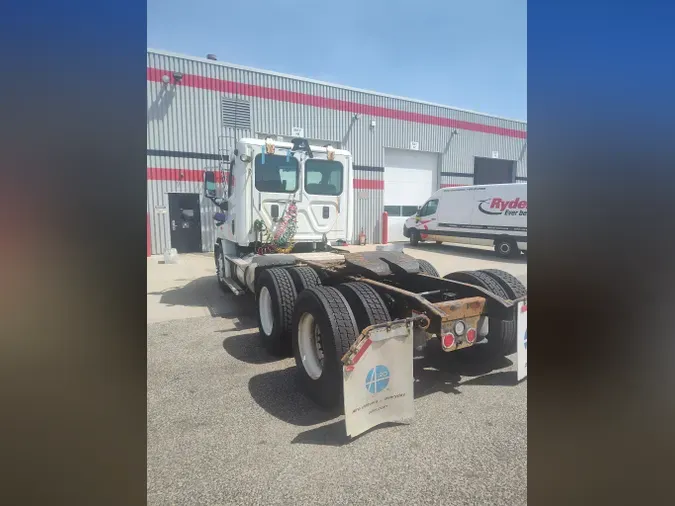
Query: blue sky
[[470, 54]]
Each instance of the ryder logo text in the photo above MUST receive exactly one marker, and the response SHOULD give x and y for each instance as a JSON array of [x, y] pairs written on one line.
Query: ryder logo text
[[497, 206]]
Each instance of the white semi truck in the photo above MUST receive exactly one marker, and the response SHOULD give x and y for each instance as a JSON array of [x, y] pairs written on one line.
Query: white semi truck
[[349, 319]]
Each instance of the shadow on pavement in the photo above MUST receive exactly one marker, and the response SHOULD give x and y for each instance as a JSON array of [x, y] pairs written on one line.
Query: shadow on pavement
[[241, 323], [437, 371], [334, 434], [279, 393], [247, 347], [205, 292], [501, 378], [467, 252]]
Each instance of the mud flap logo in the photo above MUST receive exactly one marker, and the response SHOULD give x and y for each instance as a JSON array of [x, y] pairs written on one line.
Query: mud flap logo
[[377, 379]]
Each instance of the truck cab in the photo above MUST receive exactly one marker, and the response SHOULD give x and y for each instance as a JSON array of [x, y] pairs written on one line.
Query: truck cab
[[266, 176]]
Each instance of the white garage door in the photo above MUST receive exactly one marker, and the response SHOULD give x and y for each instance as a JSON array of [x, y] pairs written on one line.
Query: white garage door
[[409, 180]]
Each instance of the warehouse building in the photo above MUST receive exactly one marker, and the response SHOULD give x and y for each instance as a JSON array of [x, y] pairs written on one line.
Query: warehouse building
[[403, 149]]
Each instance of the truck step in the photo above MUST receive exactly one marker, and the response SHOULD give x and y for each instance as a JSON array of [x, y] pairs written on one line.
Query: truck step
[[234, 286]]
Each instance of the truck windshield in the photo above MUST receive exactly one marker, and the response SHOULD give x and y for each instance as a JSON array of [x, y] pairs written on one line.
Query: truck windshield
[[323, 177], [276, 174]]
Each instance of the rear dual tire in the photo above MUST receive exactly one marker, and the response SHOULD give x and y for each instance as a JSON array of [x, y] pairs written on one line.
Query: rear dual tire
[[276, 295], [366, 304], [304, 278], [511, 285], [326, 322], [427, 268], [276, 292], [324, 328]]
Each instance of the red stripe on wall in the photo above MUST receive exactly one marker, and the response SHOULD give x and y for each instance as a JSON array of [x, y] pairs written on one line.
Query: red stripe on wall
[[450, 185], [252, 90], [368, 184], [190, 175]]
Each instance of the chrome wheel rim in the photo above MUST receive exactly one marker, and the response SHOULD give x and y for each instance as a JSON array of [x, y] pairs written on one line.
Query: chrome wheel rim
[[265, 310], [309, 345]]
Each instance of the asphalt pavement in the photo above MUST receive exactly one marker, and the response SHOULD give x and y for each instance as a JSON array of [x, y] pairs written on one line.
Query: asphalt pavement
[[228, 425]]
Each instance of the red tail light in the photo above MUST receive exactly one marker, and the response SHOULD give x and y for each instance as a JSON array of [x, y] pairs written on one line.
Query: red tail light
[[448, 340], [471, 336]]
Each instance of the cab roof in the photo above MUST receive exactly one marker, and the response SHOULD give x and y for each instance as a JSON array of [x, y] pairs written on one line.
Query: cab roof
[[288, 145]]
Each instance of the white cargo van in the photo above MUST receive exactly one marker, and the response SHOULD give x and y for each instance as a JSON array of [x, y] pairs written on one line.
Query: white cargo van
[[482, 215]]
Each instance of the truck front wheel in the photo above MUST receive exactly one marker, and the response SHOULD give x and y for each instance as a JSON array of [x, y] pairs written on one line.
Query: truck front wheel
[[324, 328]]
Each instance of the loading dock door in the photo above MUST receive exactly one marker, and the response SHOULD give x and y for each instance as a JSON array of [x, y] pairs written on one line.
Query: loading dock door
[[409, 180], [493, 171]]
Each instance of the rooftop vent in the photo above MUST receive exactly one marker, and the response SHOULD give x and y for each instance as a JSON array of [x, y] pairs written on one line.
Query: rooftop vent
[[211, 56]]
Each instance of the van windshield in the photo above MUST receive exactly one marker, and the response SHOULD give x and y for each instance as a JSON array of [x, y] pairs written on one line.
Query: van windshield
[[323, 177], [429, 208], [276, 174]]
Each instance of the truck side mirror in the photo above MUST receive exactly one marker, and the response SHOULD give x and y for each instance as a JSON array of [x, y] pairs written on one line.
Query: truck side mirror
[[210, 184]]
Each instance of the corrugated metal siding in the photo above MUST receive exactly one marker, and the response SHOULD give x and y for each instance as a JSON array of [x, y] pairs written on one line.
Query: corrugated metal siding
[[521, 170], [187, 118], [368, 207]]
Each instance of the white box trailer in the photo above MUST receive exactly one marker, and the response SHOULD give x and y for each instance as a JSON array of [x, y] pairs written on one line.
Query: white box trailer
[[349, 319], [487, 215]]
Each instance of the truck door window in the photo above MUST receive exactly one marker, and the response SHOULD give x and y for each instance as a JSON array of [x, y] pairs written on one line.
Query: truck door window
[[323, 177], [276, 174], [429, 208]]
